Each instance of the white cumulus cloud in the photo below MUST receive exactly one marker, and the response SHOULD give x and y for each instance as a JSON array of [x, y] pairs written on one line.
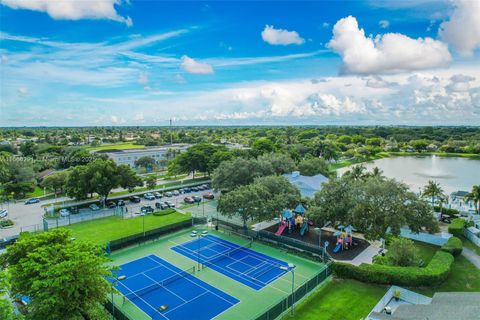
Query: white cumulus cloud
[[387, 53], [280, 36], [192, 66], [462, 30], [72, 9]]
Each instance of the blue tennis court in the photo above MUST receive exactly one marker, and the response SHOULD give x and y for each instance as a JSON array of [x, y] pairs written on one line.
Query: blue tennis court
[[240, 263], [152, 282]]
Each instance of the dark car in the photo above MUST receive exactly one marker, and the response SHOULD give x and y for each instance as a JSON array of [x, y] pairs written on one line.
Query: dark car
[[197, 198], [74, 210], [135, 199], [32, 201], [202, 187], [120, 203], [146, 209], [194, 189], [158, 195], [187, 190], [158, 205], [206, 186], [209, 196], [188, 200], [7, 241], [111, 205]]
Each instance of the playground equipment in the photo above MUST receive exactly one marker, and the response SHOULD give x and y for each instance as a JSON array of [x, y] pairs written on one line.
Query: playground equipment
[[344, 238], [304, 227], [286, 221]]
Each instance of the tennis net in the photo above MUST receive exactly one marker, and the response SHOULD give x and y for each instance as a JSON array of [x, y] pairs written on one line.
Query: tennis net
[[160, 284], [227, 254]]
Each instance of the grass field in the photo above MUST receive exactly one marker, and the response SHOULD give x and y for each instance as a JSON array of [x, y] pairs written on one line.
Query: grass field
[[252, 302], [339, 299], [111, 228], [118, 146]]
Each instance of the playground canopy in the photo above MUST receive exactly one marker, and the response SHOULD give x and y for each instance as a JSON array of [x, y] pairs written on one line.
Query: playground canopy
[[287, 214], [299, 209]]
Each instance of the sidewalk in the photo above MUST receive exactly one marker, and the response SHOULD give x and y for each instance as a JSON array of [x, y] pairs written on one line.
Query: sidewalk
[[472, 257]]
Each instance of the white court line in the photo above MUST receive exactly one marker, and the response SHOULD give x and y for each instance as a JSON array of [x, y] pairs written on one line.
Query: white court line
[[195, 283], [162, 286], [187, 302], [232, 275], [148, 304]]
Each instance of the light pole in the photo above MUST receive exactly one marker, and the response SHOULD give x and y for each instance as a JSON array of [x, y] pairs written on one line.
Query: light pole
[[291, 268], [143, 222], [319, 231]]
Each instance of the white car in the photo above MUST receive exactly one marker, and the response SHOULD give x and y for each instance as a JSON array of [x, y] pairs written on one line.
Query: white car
[[64, 212], [176, 192], [149, 196], [3, 213]]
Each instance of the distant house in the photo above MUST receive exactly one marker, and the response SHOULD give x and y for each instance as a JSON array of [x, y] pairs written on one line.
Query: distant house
[[159, 154], [459, 195], [432, 147], [307, 185]]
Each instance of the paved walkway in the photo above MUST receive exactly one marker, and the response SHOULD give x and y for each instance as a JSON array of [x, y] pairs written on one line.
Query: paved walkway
[[471, 256]]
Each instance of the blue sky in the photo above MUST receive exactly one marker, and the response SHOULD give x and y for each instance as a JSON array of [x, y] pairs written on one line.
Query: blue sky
[[112, 62]]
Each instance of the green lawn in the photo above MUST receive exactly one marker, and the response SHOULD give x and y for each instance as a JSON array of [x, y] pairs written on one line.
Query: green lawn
[[468, 244], [425, 251], [340, 299], [463, 277], [111, 228], [118, 146]]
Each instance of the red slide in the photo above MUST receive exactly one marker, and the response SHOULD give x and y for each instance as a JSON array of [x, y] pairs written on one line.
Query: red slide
[[283, 225]]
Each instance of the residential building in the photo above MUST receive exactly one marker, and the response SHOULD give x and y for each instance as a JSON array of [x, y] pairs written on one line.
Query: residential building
[[159, 154]]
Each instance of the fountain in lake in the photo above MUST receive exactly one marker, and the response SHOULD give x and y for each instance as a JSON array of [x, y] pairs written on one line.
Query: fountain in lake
[[435, 171]]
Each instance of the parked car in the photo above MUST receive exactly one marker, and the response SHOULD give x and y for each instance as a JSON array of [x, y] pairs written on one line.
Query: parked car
[[32, 200], [94, 207], [3, 213], [194, 189], [206, 186], [157, 195], [7, 241], [170, 204], [176, 192], [187, 190], [74, 210], [64, 212], [146, 209], [164, 205], [209, 196], [111, 205], [149, 196], [168, 194], [188, 200], [158, 205], [120, 203], [182, 191], [202, 187], [135, 199], [197, 198]]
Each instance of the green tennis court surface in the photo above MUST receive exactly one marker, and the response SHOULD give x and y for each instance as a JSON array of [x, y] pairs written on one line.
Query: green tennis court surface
[[251, 302]]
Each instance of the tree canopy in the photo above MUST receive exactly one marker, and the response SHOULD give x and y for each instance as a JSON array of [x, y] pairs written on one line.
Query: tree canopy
[[374, 205], [64, 278]]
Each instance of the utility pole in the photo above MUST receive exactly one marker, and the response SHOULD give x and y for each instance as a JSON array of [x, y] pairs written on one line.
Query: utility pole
[[171, 133]]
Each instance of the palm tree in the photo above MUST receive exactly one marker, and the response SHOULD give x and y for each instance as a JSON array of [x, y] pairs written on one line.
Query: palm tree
[[357, 172], [433, 190], [376, 172], [475, 197]]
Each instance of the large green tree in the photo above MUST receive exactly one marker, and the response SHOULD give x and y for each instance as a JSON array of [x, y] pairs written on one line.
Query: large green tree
[[146, 162], [128, 178], [314, 166], [64, 278], [6, 308], [373, 205], [56, 181], [279, 162], [199, 157]]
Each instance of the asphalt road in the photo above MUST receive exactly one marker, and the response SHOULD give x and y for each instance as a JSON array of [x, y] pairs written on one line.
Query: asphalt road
[[29, 217]]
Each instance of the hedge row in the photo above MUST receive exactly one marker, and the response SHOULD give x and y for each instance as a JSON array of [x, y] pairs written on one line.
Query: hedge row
[[165, 212], [433, 274], [447, 211], [454, 246], [456, 227]]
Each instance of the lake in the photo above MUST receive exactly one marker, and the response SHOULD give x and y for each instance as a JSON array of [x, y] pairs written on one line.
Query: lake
[[453, 173]]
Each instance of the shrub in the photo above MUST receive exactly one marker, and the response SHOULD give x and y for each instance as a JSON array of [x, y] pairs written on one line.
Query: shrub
[[165, 212], [453, 246], [6, 223], [446, 211], [402, 252], [433, 274], [456, 227]]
